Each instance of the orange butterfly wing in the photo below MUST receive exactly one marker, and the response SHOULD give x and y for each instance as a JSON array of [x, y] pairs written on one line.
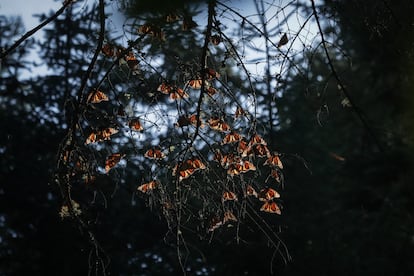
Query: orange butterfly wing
[[112, 160], [271, 207]]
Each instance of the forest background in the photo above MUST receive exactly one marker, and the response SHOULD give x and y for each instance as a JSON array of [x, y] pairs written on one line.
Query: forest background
[[333, 100]]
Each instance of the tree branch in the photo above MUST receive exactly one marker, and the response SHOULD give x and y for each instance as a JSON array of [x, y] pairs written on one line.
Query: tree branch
[[340, 83], [34, 30], [211, 5]]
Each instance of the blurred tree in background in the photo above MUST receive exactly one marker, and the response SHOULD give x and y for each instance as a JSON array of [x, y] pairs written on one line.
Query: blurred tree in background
[[337, 107]]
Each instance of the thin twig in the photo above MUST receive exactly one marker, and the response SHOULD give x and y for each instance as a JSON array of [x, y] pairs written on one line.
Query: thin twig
[[340, 83], [35, 29], [203, 63]]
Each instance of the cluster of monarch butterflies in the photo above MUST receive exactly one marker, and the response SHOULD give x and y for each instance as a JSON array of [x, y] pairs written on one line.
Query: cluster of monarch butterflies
[[239, 154], [234, 163]]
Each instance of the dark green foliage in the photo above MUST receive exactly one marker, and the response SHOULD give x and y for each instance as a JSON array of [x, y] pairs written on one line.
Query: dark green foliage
[[347, 203]]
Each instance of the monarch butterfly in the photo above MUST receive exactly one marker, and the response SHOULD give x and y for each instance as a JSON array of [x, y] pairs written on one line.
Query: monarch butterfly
[[177, 94], [257, 139], [108, 50], [243, 148], [229, 216], [187, 168], [185, 121], [211, 91], [229, 196], [215, 39], [147, 187], [97, 96], [275, 175], [214, 224], [247, 166], [211, 74], [112, 160], [231, 137], [135, 124], [164, 88], [107, 132], [196, 163], [271, 207], [261, 150], [152, 30], [185, 173], [218, 124], [250, 191], [101, 135], [154, 154], [274, 160], [193, 120], [195, 83], [131, 61], [92, 138], [233, 170], [267, 194], [239, 112]]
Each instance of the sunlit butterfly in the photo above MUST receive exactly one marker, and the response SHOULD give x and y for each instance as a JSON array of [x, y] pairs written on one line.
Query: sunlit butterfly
[[247, 166], [257, 139], [275, 174], [239, 112], [215, 39], [229, 216], [152, 30], [147, 187], [188, 167], [92, 138], [97, 96], [270, 207], [145, 29], [131, 61], [228, 159], [231, 137], [178, 93], [112, 160], [267, 194], [154, 154], [101, 135], [195, 83], [218, 124], [164, 88], [107, 132], [243, 148], [215, 223], [250, 191], [108, 50], [184, 174], [260, 150], [229, 196], [196, 163], [274, 160], [211, 74], [211, 90], [191, 120], [233, 170], [135, 124]]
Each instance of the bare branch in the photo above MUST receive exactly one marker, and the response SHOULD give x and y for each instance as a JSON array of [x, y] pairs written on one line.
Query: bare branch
[[340, 83], [34, 30]]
